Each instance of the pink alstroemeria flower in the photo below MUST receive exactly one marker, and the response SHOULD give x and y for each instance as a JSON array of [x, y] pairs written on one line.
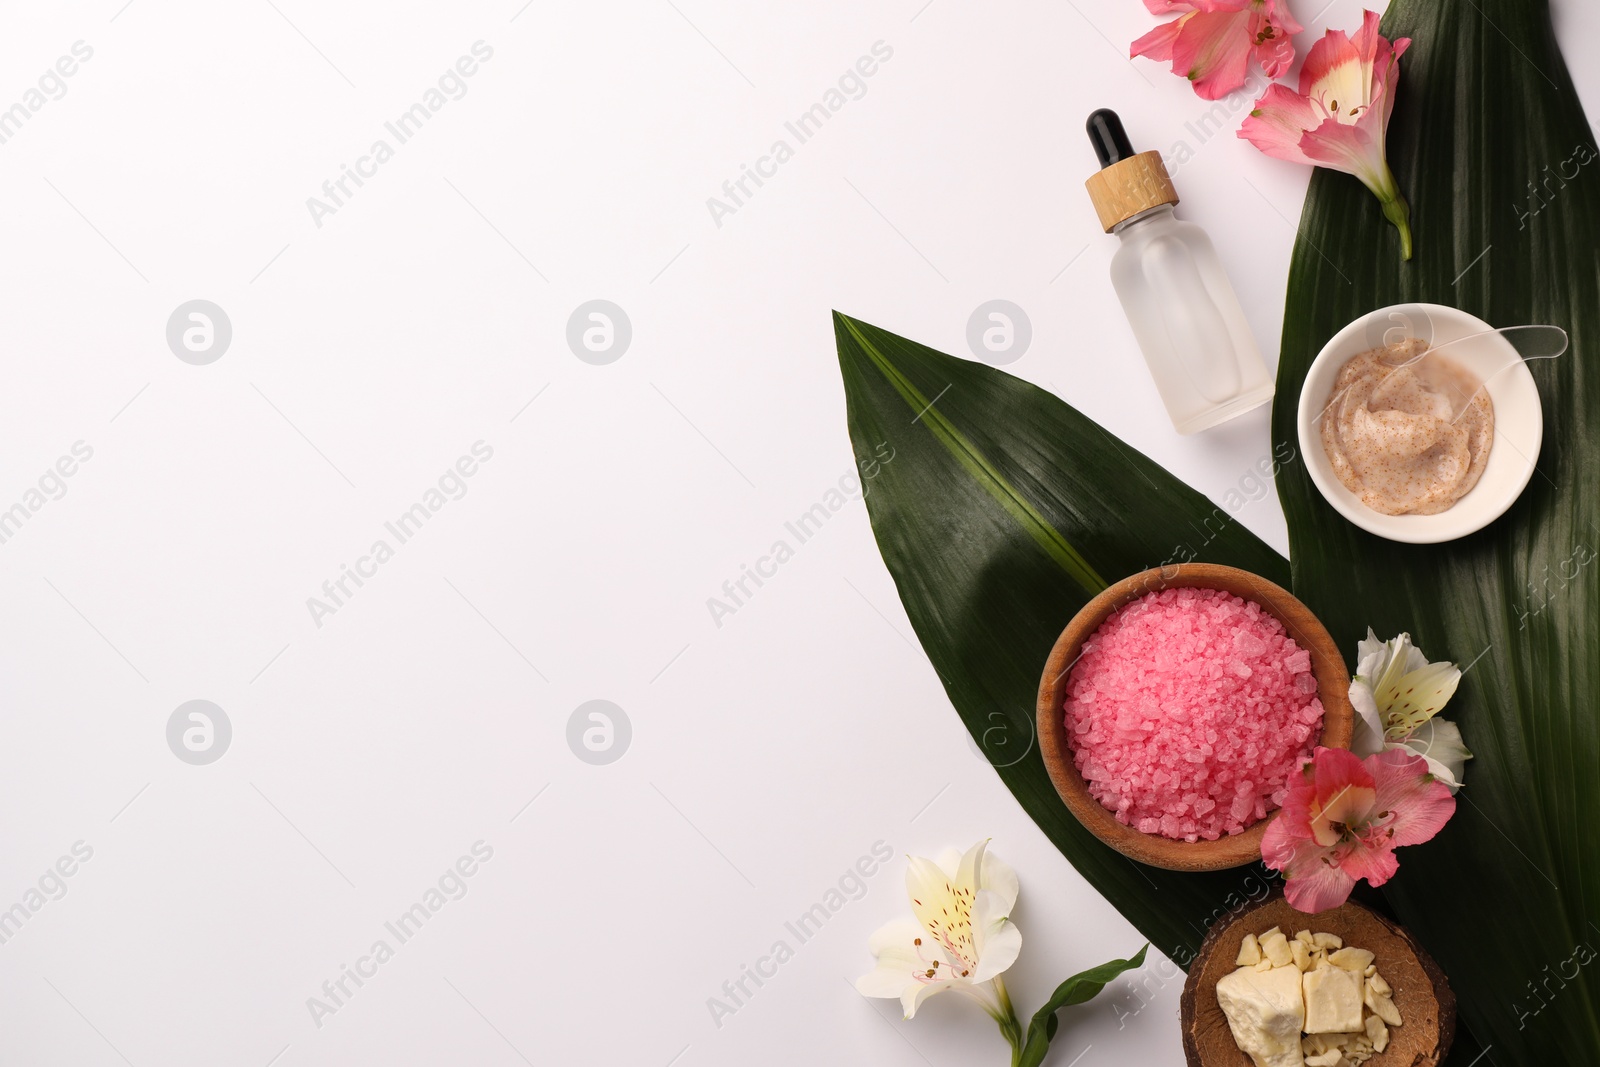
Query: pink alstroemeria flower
[[1343, 819], [1211, 41], [1340, 117]]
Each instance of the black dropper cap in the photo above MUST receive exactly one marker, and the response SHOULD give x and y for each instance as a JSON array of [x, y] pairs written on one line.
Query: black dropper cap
[[1110, 140]]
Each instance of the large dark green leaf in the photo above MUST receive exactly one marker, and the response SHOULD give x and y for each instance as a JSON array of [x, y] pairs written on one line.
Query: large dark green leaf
[[1507, 898], [999, 515]]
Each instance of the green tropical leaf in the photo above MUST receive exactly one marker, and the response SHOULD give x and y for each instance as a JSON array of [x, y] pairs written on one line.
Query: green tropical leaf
[[1493, 151], [1002, 508]]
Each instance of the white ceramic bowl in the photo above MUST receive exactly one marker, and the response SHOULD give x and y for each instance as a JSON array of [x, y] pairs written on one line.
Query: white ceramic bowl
[[1518, 419]]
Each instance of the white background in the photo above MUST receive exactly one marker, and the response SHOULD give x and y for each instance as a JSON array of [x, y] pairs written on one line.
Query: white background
[[369, 353]]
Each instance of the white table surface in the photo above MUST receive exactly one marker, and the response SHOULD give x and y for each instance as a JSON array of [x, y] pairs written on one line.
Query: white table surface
[[428, 313]]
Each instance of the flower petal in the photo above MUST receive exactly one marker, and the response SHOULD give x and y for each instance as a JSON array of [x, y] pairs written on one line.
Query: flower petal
[[1421, 803], [896, 935], [1281, 846], [1388, 68], [1157, 44], [943, 905], [1319, 889], [925, 881], [1372, 656], [1378, 57], [1333, 72], [1212, 50], [1293, 821], [998, 939], [1344, 793], [1366, 42], [1414, 658], [1368, 739], [885, 982], [894, 945], [998, 877], [1439, 742], [1376, 865], [983, 992], [1414, 698], [970, 867], [1353, 150], [913, 996], [1404, 658], [1278, 122]]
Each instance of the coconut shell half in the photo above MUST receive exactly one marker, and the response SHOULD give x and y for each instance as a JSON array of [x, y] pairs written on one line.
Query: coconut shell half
[[1421, 991]]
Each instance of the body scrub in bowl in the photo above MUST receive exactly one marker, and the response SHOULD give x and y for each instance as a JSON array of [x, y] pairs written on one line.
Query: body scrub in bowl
[[1397, 466], [1187, 712], [1408, 432], [1175, 705]]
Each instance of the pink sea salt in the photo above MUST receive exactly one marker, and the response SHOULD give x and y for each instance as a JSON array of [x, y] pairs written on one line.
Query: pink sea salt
[[1187, 711]]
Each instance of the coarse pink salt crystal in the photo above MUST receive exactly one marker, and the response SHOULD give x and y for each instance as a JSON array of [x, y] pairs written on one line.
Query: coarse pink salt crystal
[[1187, 710]]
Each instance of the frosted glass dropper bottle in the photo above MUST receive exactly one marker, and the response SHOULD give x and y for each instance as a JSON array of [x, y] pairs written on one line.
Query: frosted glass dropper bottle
[[1173, 289]]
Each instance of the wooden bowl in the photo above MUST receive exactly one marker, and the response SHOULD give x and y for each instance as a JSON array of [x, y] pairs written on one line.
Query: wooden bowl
[[1235, 850], [1421, 991]]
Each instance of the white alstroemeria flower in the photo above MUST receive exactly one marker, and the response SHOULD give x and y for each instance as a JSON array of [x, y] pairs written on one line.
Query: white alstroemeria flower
[[1396, 693], [961, 939]]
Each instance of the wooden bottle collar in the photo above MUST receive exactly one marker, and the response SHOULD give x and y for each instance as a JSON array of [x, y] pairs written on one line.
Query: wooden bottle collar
[[1130, 186]]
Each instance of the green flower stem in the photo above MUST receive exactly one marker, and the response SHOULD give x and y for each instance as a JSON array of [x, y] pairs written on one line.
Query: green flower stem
[[1396, 208], [1010, 1028], [1387, 190], [1396, 211]]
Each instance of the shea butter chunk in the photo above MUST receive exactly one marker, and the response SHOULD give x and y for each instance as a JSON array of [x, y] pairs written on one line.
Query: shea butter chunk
[[1351, 959], [1275, 947], [1332, 1000], [1383, 1007], [1377, 1033], [1302, 955], [1266, 1012]]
